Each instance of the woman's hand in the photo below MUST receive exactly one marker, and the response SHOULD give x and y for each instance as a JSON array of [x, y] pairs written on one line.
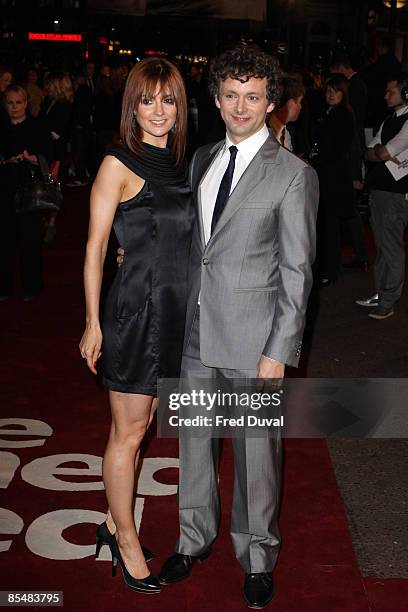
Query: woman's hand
[[90, 345], [14, 159], [30, 158]]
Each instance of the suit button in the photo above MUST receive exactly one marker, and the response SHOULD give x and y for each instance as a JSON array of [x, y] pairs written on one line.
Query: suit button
[[205, 261]]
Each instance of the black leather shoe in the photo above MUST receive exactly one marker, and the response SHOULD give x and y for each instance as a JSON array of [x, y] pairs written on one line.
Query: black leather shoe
[[258, 590], [104, 536], [178, 567]]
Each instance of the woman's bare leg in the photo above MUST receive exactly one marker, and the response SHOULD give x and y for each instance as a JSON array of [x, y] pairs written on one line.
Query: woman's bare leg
[[109, 519], [131, 416]]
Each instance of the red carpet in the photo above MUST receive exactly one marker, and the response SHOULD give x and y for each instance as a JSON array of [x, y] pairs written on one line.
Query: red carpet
[[44, 379]]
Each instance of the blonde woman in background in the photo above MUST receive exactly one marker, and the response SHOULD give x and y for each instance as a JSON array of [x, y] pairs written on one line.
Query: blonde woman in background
[[55, 117]]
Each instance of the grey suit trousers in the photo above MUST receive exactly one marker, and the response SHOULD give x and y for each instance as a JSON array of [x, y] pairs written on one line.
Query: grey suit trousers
[[389, 217], [257, 482]]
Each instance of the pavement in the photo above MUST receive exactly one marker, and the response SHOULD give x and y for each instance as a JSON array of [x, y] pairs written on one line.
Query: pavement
[[372, 474]]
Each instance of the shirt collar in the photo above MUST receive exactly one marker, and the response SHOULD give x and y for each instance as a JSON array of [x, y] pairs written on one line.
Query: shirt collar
[[276, 125], [251, 145], [402, 111]]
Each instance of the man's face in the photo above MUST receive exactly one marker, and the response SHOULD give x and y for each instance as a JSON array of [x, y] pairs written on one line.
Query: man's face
[[393, 95], [243, 107], [294, 106]]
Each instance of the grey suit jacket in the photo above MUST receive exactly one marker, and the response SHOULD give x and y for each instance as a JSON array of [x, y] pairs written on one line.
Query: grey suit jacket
[[254, 274]]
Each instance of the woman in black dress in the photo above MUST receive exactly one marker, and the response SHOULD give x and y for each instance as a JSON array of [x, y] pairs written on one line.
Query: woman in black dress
[[142, 190]]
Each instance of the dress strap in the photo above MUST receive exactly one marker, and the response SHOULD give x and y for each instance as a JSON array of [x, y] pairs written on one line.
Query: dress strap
[[124, 156]]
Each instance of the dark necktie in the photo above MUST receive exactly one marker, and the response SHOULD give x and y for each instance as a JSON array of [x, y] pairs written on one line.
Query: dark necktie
[[225, 188]]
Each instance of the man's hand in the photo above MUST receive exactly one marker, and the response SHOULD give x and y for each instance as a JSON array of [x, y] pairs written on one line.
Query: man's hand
[[121, 256], [382, 152], [270, 373], [270, 368], [358, 185]]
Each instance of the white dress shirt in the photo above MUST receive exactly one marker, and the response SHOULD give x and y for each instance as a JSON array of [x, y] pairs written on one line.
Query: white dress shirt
[[247, 149], [399, 143]]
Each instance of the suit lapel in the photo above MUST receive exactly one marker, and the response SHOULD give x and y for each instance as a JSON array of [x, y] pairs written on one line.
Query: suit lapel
[[255, 172], [201, 174]]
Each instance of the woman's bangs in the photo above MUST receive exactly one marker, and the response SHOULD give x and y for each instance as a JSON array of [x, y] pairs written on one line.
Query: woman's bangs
[[158, 85]]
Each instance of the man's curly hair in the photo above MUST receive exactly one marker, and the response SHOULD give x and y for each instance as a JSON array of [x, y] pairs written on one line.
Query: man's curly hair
[[243, 62]]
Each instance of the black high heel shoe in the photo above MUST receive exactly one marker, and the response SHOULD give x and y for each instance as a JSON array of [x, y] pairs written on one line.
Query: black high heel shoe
[[148, 585], [104, 536]]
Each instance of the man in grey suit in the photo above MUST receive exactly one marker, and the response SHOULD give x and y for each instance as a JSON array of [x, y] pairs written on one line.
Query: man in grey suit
[[250, 278]]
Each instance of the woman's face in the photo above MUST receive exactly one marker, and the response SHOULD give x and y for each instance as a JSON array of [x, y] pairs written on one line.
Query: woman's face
[[156, 116], [32, 76], [16, 105], [333, 96], [51, 90], [5, 80]]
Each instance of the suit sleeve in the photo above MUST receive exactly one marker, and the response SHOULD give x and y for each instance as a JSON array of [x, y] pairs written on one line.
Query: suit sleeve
[[297, 246]]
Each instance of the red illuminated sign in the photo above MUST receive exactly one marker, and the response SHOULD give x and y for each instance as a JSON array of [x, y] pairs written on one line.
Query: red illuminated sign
[[103, 40], [55, 37], [153, 52]]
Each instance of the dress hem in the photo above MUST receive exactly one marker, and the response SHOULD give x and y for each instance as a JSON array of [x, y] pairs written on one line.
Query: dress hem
[[136, 389]]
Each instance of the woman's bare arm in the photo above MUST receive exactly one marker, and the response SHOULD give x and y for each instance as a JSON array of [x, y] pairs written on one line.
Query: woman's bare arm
[[106, 195]]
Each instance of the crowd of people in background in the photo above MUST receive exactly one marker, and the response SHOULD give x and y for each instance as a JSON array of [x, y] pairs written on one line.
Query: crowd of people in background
[[327, 117]]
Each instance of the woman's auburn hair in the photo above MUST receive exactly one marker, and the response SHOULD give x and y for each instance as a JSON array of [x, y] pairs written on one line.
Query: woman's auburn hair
[[142, 82]]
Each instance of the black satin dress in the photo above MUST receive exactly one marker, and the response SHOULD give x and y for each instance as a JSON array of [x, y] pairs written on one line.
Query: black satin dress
[[143, 322]]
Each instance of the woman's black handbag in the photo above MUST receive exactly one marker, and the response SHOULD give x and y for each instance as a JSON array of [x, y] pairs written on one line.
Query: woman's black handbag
[[41, 194]]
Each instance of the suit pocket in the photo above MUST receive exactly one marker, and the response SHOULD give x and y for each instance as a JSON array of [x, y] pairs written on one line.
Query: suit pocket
[[259, 289], [249, 204]]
